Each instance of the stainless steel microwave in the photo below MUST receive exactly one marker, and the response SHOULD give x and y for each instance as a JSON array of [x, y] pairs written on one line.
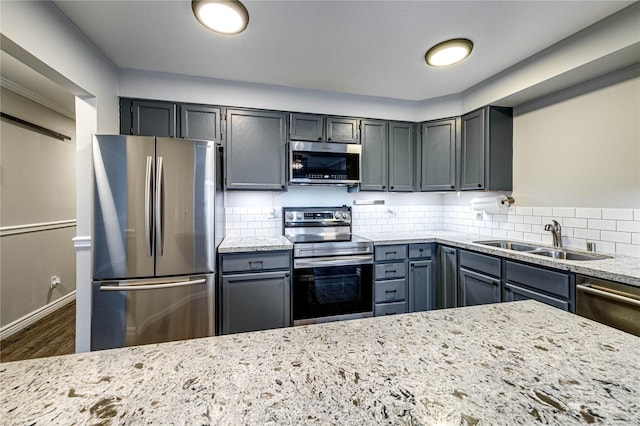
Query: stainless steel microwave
[[324, 163]]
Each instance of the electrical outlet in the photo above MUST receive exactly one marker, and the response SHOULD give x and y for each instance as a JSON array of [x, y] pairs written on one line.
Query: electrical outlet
[[478, 216], [55, 280]]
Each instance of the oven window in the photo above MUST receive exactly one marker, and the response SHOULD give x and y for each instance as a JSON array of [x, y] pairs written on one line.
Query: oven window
[[313, 165], [329, 291]]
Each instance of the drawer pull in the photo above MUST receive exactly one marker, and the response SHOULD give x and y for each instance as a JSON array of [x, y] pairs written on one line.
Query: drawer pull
[[256, 264], [391, 272], [391, 291]]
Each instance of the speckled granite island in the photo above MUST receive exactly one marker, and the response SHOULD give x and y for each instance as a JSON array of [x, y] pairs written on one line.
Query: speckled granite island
[[510, 363]]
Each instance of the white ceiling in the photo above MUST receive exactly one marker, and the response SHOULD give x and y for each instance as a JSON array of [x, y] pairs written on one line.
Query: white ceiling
[[373, 48]]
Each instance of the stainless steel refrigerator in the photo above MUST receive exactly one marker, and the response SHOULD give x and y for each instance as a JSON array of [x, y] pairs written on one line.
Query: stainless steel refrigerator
[[157, 220]]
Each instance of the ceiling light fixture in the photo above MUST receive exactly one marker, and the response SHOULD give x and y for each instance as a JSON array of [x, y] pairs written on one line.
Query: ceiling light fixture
[[449, 52], [221, 16]]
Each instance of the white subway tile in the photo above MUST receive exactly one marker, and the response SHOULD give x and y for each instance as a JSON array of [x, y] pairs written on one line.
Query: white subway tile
[[524, 211], [617, 214], [589, 213], [239, 210], [628, 226], [515, 218], [636, 214], [534, 220], [247, 232], [635, 238], [542, 211], [576, 223], [606, 247], [521, 227], [628, 250], [564, 212], [232, 233], [507, 226], [616, 237], [607, 225], [498, 233], [534, 238], [514, 235], [589, 234]]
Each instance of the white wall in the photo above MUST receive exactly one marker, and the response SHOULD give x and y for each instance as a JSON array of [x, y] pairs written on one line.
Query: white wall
[[40, 36], [37, 187], [583, 151]]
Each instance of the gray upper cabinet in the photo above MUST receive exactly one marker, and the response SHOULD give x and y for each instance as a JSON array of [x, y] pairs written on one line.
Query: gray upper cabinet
[[374, 155], [256, 149], [312, 127], [401, 156], [438, 152], [200, 122], [487, 149], [387, 156], [147, 118]]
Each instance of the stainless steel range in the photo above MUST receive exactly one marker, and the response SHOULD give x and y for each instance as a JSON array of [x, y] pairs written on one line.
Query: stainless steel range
[[332, 268]]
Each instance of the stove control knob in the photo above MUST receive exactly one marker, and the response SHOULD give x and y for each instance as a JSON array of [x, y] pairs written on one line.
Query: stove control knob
[[345, 215], [299, 216], [337, 215], [290, 216]]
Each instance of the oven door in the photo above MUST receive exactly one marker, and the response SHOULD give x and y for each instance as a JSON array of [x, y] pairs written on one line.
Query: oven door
[[332, 289]]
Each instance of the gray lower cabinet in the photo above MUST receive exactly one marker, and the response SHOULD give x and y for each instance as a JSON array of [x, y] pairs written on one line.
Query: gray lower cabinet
[[439, 142], [486, 152], [422, 292], [256, 149], [479, 279], [447, 278], [255, 291], [390, 279], [553, 287]]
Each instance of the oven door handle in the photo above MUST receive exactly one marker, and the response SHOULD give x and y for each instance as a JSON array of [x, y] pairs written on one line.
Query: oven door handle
[[618, 296], [321, 262]]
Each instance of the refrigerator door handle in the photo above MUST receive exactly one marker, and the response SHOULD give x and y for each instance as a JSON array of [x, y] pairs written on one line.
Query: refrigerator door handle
[[131, 287], [148, 190], [159, 206]]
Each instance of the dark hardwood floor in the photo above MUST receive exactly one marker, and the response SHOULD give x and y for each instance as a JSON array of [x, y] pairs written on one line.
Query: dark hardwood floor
[[53, 335]]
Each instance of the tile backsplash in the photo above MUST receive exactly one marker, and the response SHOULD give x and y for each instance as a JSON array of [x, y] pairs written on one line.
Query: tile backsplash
[[613, 230]]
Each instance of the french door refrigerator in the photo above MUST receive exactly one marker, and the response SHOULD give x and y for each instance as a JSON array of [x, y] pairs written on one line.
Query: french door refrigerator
[[157, 220]]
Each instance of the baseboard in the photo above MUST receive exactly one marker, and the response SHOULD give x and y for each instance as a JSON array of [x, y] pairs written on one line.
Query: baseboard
[[38, 314]]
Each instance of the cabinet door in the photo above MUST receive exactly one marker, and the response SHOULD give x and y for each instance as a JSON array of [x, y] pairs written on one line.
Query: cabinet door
[[446, 288], [421, 294], [374, 155], [200, 122], [345, 130], [153, 118], [514, 292], [256, 142], [306, 127], [477, 289], [257, 301], [438, 156], [473, 150], [401, 156]]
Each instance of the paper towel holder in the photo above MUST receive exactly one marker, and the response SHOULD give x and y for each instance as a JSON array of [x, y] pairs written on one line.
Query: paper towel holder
[[509, 201]]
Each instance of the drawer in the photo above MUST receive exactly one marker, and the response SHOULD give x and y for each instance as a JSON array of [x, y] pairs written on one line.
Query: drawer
[[387, 271], [382, 309], [480, 262], [420, 251], [514, 293], [390, 291], [392, 252], [552, 282], [255, 261]]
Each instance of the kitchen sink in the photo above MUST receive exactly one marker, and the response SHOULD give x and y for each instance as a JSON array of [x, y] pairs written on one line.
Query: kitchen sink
[[509, 245], [570, 255], [543, 251]]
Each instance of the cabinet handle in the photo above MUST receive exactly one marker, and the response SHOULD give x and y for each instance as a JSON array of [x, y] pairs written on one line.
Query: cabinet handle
[[258, 264], [391, 187], [329, 139], [421, 250], [389, 253], [320, 138], [390, 291], [384, 187], [286, 275], [479, 185], [390, 272], [452, 186]]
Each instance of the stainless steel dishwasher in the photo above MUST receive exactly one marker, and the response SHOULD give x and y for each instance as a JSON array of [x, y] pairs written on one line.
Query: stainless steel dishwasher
[[610, 303]]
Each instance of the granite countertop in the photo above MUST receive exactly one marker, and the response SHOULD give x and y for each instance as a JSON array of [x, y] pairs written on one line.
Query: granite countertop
[[240, 244], [624, 269], [509, 363]]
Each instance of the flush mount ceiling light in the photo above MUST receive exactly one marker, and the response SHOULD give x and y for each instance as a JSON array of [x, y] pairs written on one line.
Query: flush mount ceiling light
[[221, 16], [448, 52]]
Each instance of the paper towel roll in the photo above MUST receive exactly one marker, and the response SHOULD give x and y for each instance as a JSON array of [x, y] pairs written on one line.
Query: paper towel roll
[[497, 204]]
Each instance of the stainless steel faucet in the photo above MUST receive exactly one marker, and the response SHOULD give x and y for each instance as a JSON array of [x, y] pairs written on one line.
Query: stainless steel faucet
[[556, 232]]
